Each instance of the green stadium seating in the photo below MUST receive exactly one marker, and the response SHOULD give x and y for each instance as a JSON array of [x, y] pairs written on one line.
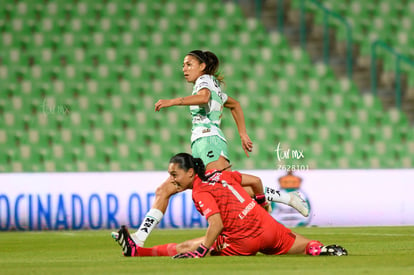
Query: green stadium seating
[[390, 21], [109, 71]]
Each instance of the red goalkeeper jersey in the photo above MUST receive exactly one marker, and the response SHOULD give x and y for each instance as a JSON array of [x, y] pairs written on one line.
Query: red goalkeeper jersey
[[223, 194]]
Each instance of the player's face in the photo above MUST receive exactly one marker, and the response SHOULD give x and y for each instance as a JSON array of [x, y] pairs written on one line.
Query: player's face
[[192, 68], [181, 179]]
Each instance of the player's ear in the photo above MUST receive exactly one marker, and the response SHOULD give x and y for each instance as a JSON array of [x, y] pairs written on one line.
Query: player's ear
[[191, 172], [203, 66]]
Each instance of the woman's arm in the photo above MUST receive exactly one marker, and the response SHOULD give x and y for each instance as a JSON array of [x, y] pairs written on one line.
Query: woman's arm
[[215, 226], [202, 97], [238, 116], [253, 185]]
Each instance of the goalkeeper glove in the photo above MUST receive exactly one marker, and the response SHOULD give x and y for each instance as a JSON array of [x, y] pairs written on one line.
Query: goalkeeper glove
[[200, 252]]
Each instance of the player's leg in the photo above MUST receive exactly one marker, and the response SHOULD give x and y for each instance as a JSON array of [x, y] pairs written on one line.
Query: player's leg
[[253, 185], [293, 199], [303, 245], [299, 245], [228, 246], [130, 249], [278, 239], [155, 214], [170, 249]]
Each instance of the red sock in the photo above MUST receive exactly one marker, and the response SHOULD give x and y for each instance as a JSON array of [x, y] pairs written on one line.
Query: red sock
[[168, 249], [313, 248]]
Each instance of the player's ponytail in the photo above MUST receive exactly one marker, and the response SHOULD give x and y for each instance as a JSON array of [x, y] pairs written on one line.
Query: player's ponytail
[[199, 168], [186, 161]]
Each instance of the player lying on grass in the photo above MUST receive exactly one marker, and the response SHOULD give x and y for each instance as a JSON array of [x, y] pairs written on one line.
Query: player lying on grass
[[237, 224]]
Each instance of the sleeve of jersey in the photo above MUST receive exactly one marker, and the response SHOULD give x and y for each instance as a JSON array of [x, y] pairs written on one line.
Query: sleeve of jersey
[[224, 97], [205, 204], [237, 176], [203, 82]]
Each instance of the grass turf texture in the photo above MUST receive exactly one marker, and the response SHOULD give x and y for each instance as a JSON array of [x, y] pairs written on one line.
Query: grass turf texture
[[372, 250]]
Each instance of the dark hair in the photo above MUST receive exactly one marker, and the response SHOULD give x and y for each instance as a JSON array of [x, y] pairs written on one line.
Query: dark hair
[[211, 60], [186, 161]]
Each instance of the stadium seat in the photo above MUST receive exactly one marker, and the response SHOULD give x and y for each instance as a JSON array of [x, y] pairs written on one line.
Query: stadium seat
[[110, 61]]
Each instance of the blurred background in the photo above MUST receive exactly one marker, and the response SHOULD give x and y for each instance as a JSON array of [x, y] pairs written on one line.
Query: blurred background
[[79, 79]]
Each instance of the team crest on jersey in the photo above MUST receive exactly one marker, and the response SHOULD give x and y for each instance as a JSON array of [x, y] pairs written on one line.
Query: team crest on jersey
[[215, 178]]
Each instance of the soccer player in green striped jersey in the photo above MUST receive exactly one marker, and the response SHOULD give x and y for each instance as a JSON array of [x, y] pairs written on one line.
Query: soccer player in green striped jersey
[[207, 139], [206, 106]]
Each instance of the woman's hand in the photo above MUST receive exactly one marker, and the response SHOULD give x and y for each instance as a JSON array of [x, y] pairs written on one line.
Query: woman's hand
[[247, 144], [163, 103]]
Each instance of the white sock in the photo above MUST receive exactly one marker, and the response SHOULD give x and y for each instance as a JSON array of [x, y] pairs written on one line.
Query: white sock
[[277, 195], [150, 221]]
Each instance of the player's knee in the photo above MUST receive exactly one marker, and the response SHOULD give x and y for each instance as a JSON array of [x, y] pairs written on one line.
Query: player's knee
[[165, 191], [160, 191]]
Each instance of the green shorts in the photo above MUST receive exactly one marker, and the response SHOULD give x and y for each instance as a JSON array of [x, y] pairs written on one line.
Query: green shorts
[[209, 149]]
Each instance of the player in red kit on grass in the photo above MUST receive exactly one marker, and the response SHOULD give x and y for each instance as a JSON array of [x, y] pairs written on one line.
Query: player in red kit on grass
[[237, 224]]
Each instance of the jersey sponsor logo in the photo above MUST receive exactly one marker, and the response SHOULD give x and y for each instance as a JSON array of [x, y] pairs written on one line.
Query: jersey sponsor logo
[[147, 224], [198, 118], [210, 154]]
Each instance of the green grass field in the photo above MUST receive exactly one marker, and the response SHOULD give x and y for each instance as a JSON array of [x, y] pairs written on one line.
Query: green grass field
[[372, 250]]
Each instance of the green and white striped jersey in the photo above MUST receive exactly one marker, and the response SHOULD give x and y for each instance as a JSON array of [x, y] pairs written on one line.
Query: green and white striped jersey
[[206, 118]]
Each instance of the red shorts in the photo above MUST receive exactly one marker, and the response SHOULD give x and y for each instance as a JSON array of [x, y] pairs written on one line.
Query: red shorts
[[275, 239]]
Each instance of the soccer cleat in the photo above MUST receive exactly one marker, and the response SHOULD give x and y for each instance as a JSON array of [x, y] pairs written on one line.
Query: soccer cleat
[[333, 250], [114, 235], [298, 203], [129, 248]]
